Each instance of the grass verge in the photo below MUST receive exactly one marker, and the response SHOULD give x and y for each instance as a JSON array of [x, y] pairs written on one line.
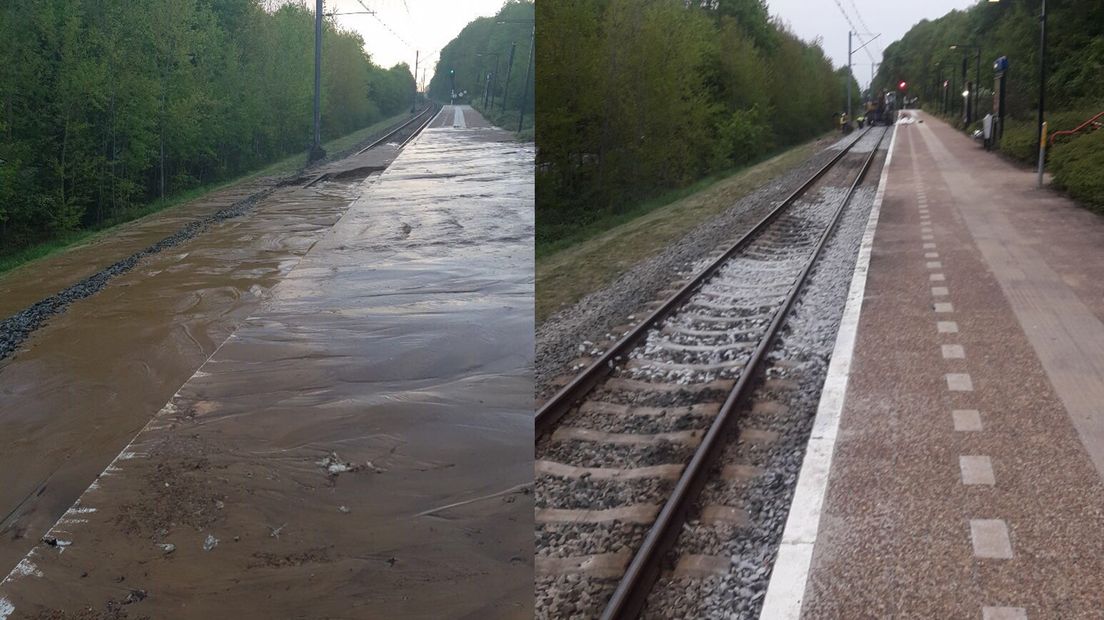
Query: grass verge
[[570, 268], [284, 166]]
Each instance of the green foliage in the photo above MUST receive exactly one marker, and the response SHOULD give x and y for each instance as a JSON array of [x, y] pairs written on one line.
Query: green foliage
[[483, 50], [1020, 141], [1077, 167], [109, 104], [636, 98], [1075, 55], [742, 136], [1021, 138]]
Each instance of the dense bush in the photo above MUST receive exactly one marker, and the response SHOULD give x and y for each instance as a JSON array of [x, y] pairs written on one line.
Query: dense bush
[[1021, 138], [106, 104], [1078, 167]]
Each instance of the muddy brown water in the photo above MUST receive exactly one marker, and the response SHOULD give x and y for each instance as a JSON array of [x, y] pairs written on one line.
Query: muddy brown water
[[82, 386], [360, 446]]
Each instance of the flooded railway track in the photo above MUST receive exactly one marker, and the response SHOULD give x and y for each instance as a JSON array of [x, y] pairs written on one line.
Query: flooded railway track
[[18, 327], [625, 448]]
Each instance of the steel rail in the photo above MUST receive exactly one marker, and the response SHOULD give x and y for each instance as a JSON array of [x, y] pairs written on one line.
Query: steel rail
[[571, 394], [632, 591], [387, 136], [414, 134]]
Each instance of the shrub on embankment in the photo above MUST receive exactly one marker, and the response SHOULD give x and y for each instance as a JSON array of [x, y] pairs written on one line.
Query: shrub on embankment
[[1077, 162], [637, 98], [1021, 139], [1078, 168], [108, 105]]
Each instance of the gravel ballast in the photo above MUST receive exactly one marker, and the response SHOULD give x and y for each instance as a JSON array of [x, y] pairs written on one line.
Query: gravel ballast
[[804, 350], [797, 365], [595, 316]]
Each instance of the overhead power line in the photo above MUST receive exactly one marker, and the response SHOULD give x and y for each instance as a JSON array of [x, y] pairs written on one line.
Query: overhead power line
[[862, 22], [854, 29]]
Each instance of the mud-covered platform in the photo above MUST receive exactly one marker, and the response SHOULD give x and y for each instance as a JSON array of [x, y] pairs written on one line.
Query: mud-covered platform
[[359, 446], [956, 468]]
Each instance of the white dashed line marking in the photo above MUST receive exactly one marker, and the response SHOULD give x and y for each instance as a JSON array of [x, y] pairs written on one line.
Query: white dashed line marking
[[953, 352], [944, 307], [929, 246], [937, 277], [966, 420], [990, 539], [947, 327], [976, 470], [959, 382], [940, 291], [1003, 613]]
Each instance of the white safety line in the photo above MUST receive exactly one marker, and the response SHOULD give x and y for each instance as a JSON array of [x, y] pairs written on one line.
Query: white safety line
[[786, 590], [458, 118]]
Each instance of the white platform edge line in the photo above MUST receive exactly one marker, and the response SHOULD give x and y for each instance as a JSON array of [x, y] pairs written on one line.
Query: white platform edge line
[[6, 607], [786, 589]]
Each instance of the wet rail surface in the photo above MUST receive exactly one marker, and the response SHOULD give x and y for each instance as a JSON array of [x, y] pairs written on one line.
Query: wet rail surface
[[607, 468], [88, 380], [360, 445]]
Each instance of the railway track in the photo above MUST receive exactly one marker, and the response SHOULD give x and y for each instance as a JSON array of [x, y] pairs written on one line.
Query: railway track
[[624, 448], [402, 134]]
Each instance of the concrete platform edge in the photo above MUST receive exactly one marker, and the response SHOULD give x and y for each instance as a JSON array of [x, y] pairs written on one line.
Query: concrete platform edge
[[786, 589]]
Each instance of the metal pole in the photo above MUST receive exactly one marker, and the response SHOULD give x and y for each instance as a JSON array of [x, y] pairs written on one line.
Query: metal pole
[[850, 70], [528, 70], [316, 151], [494, 84], [1042, 86], [977, 83], [509, 65], [1042, 150], [965, 84], [414, 99]]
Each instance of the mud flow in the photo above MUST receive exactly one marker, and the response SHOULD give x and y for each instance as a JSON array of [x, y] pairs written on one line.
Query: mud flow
[[353, 440]]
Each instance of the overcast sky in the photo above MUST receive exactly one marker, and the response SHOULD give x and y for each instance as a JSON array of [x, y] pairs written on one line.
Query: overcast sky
[[426, 25], [810, 19]]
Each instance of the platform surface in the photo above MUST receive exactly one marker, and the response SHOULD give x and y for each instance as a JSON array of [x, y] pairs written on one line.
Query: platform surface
[[968, 474], [360, 447]]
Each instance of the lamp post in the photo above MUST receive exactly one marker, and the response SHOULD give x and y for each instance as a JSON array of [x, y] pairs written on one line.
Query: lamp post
[[487, 84], [316, 150], [528, 66], [977, 80], [509, 66], [1042, 77]]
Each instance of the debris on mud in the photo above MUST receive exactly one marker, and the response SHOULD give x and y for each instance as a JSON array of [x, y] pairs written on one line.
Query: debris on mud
[[334, 466]]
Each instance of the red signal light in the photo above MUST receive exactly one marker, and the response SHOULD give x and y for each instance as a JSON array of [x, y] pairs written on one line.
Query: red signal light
[[902, 85]]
